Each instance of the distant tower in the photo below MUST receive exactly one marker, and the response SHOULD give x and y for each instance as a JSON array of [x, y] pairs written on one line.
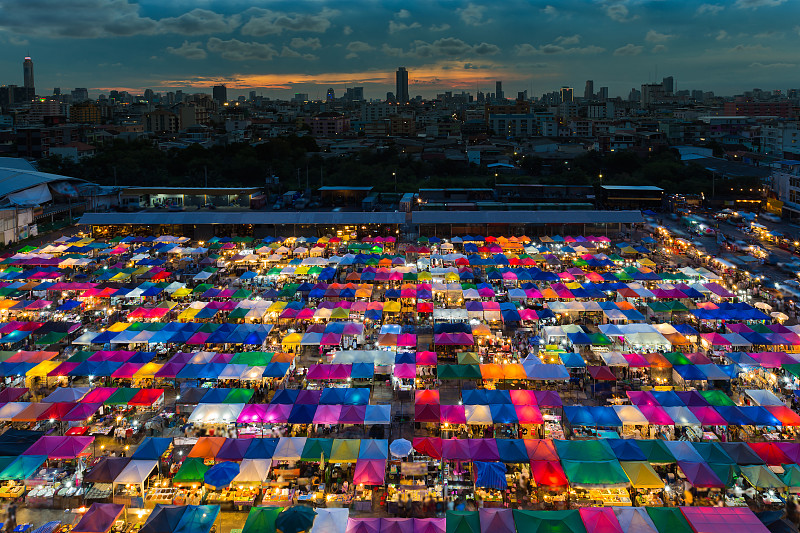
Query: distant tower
[[669, 85], [331, 96], [27, 71], [401, 89], [566, 94], [498, 90], [588, 92]]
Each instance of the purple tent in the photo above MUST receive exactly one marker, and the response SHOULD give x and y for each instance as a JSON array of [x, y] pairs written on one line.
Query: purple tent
[[456, 450], [82, 411], [363, 525], [547, 398], [352, 414], [55, 447], [233, 450], [308, 396], [99, 518], [430, 525], [277, 413], [453, 414], [328, 414], [170, 370], [483, 450], [405, 370], [397, 525], [497, 520]]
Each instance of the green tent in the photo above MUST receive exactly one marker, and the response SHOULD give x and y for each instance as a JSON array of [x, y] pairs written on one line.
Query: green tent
[[592, 473], [791, 476], [677, 358], [208, 327], [241, 294], [716, 397], [316, 449], [80, 356], [793, 369], [762, 477], [239, 396], [468, 358], [656, 451], [238, 313], [598, 339], [712, 452], [760, 328], [122, 396], [203, 287], [192, 470], [7, 354], [676, 307], [252, 358], [22, 467], [658, 307], [726, 472], [50, 338], [548, 521], [669, 520], [463, 522], [584, 450]]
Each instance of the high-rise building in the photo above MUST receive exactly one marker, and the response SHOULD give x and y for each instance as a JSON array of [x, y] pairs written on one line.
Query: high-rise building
[[80, 94], [588, 91], [27, 73], [566, 94], [330, 96], [498, 90], [602, 94], [401, 85], [220, 94], [652, 93], [669, 85], [252, 95]]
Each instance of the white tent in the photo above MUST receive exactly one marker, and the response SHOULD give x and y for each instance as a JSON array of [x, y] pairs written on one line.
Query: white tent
[[375, 357], [289, 449], [253, 471], [763, 397], [216, 413], [634, 520], [136, 473], [12, 409], [630, 415], [330, 521], [478, 414]]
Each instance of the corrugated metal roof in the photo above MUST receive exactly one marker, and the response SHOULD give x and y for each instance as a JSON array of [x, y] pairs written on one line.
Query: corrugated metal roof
[[526, 217], [244, 217], [14, 180]]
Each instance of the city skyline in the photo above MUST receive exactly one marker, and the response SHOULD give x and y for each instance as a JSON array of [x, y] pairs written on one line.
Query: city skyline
[[310, 46]]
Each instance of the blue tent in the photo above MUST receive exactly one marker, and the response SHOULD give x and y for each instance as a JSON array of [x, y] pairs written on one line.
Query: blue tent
[[197, 519], [490, 475], [152, 448], [221, 474], [261, 448], [512, 450]]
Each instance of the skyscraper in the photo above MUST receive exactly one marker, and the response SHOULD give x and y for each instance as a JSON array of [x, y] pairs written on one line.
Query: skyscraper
[[27, 73], [220, 94], [330, 96], [588, 92], [602, 94], [669, 85], [566, 94], [498, 90], [401, 85]]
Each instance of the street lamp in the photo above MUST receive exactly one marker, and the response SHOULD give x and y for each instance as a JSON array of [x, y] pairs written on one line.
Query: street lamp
[[394, 175]]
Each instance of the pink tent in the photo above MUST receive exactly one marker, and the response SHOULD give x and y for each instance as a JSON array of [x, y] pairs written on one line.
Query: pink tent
[[406, 339], [656, 415], [363, 525], [370, 472], [523, 397], [252, 413], [327, 414], [405, 370], [277, 413], [528, 414], [453, 414], [728, 519], [99, 395], [397, 525], [715, 339], [708, 416], [320, 372], [430, 525], [600, 520], [635, 360]]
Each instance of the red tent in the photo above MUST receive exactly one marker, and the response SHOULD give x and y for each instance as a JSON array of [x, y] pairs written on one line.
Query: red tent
[[548, 474]]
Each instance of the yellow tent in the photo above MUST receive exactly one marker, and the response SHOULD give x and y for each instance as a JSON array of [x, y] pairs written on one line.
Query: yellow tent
[[642, 475], [424, 276], [391, 307], [188, 314], [149, 370], [42, 369], [646, 262], [340, 313], [119, 326], [345, 450], [292, 339], [182, 292]]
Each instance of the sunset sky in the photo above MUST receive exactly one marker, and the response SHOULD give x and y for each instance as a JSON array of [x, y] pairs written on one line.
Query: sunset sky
[[279, 48]]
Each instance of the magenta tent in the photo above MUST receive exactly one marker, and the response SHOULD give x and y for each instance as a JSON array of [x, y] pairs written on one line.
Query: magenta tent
[[453, 414], [636, 360], [405, 370], [63, 369], [126, 370], [427, 412], [523, 397], [529, 414], [99, 395], [655, 414], [252, 413], [708, 416], [99, 518], [370, 472], [406, 339], [170, 370], [729, 519], [602, 373], [640, 398], [331, 339], [600, 520], [327, 414], [715, 339], [427, 358], [277, 413], [772, 359]]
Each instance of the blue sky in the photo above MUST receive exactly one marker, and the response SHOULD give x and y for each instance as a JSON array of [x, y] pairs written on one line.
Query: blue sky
[[279, 48]]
